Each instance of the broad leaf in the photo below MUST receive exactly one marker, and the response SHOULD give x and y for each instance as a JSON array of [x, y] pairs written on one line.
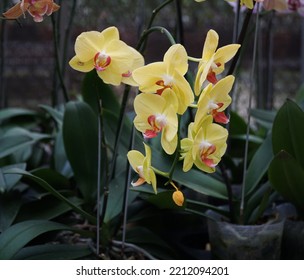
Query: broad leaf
[[263, 117], [18, 138], [15, 112], [288, 132], [287, 176], [94, 89], [54, 113], [8, 181], [53, 252], [52, 191], [258, 165], [18, 235], [10, 204], [80, 135]]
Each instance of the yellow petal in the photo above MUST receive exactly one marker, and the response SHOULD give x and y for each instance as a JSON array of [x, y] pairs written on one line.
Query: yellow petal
[[78, 65], [135, 159], [224, 54], [176, 57], [211, 43], [88, 44], [169, 146], [148, 104], [110, 33], [147, 76]]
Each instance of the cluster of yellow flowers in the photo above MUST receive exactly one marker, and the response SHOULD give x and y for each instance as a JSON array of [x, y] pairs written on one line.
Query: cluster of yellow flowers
[[166, 95]]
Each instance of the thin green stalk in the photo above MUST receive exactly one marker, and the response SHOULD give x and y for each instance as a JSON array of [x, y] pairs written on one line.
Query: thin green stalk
[[153, 15], [240, 41], [180, 25], [242, 205], [236, 21], [153, 29], [99, 177], [57, 62], [67, 36], [3, 97]]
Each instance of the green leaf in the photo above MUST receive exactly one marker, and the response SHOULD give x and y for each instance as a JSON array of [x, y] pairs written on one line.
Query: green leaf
[[237, 125], [201, 182], [111, 123], [53, 252], [61, 163], [164, 200], [287, 176], [54, 113], [116, 196], [258, 165], [288, 132], [15, 112], [263, 117], [18, 235], [55, 179], [8, 181], [80, 135], [54, 192], [10, 204], [18, 138], [94, 89], [46, 208]]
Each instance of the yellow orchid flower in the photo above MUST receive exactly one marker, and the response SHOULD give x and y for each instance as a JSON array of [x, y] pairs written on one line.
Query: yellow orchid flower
[[142, 166], [155, 114], [167, 74], [214, 100], [213, 60], [206, 148], [113, 59], [36, 8]]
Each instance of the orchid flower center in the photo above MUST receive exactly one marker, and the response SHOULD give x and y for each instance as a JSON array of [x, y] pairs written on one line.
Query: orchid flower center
[[101, 61], [211, 77], [166, 82], [157, 123], [207, 149]]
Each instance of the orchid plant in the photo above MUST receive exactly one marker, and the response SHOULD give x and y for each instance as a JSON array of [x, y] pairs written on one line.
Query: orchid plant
[[175, 138]]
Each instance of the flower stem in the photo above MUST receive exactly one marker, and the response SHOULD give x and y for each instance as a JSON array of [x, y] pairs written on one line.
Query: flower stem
[[242, 205], [240, 41], [58, 65]]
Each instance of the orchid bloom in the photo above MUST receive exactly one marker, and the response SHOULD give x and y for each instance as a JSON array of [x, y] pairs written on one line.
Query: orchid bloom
[[142, 166], [204, 148], [215, 99], [113, 59], [213, 60], [155, 114], [168, 74], [36, 8]]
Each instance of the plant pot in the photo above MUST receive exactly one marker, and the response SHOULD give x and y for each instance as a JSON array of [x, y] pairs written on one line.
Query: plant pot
[[245, 242], [293, 240], [293, 234]]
